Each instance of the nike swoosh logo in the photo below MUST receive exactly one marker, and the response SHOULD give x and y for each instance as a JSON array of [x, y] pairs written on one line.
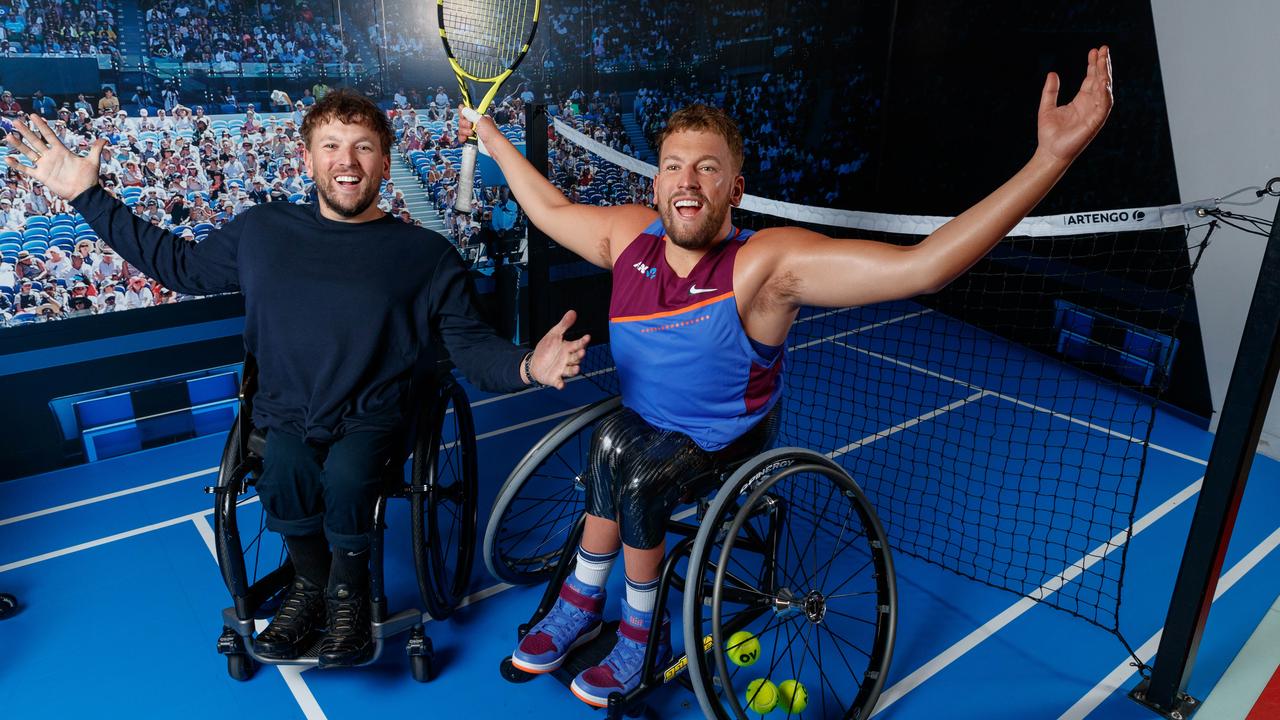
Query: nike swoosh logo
[[695, 290]]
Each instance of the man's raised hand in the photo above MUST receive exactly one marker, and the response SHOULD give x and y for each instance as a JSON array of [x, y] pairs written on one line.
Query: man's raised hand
[[65, 173]]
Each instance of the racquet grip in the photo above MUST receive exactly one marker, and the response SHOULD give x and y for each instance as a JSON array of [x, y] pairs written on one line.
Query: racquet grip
[[466, 177]]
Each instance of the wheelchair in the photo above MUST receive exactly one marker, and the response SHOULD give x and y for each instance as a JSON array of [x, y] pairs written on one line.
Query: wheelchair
[[8, 605], [761, 557], [440, 448]]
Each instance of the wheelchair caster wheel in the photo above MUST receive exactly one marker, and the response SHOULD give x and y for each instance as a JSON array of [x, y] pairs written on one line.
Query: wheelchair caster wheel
[[8, 605], [421, 667], [421, 655], [241, 666], [511, 673]]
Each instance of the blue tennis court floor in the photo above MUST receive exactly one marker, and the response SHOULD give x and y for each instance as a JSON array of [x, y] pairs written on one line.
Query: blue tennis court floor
[[121, 596]]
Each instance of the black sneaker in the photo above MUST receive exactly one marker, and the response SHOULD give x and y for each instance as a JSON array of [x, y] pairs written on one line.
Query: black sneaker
[[349, 640], [292, 630]]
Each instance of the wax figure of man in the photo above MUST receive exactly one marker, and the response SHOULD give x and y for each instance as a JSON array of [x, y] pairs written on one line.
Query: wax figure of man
[[335, 352], [699, 317]]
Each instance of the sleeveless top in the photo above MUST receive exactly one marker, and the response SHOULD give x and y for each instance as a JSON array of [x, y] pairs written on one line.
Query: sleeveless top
[[684, 360]]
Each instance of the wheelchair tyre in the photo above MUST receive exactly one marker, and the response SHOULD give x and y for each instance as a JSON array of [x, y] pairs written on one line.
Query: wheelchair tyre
[[8, 605], [241, 666], [541, 501], [443, 507], [766, 555], [420, 666]]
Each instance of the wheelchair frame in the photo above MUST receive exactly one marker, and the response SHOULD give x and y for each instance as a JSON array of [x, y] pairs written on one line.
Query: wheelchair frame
[[718, 519], [440, 586]]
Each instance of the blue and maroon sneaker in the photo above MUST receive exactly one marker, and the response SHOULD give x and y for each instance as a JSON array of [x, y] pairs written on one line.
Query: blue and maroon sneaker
[[574, 620], [620, 671]]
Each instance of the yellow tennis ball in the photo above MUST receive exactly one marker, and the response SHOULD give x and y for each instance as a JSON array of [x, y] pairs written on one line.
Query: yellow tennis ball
[[762, 695], [744, 648], [792, 696]]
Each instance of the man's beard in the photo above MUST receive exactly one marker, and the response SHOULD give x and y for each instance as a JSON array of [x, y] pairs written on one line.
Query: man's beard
[[704, 233], [324, 187]]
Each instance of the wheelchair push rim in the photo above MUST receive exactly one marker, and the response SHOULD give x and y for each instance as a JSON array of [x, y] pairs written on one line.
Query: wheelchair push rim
[[791, 552], [542, 500]]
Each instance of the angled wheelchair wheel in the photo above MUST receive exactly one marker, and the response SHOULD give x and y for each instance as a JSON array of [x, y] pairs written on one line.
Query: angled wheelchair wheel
[[791, 552], [443, 504], [541, 501], [254, 564]]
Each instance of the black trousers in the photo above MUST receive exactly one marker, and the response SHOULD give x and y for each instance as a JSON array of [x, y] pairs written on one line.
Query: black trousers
[[638, 473], [307, 489]]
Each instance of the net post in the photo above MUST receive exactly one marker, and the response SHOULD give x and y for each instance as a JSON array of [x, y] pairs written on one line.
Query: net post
[[539, 275], [1244, 411]]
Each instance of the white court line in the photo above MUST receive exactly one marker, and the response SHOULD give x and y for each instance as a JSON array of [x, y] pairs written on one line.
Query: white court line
[[113, 538], [108, 496], [1117, 678], [101, 541], [906, 424], [292, 674], [1016, 610], [857, 330]]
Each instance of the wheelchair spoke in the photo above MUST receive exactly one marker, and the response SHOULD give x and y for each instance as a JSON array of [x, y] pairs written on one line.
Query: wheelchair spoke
[[835, 591], [817, 659], [848, 642], [854, 618], [856, 676]]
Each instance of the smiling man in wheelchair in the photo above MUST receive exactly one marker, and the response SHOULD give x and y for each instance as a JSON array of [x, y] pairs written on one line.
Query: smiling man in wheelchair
[[699, 317], [335, 352]]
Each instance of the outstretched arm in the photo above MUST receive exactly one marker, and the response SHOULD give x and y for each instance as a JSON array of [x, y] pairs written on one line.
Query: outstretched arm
[[208, 267], [812, 269], [585, 229]]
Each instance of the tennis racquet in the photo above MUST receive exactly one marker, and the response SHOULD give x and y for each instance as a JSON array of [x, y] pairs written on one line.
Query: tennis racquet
[[485, 40]]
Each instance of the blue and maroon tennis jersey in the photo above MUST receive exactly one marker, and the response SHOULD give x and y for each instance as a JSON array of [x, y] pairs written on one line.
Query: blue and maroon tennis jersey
[[684, 360]]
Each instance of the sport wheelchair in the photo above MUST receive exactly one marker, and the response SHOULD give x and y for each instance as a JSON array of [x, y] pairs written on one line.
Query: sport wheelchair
[[788, 550], [440, 447], [8, 605]]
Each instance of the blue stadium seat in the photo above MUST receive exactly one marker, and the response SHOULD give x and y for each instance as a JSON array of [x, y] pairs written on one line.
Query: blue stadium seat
[[62, 218], [23, 319], [38, 221], [205, 228]]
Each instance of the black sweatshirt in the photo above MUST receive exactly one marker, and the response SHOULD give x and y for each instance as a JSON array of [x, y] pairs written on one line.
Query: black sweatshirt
[[336, 313]]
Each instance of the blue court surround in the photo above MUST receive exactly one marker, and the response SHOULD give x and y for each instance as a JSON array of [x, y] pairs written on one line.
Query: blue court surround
[[122, 597]]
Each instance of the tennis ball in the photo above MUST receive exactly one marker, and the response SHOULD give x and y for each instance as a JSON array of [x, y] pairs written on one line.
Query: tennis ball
[[744, 648], [792, 696], [762, 695]]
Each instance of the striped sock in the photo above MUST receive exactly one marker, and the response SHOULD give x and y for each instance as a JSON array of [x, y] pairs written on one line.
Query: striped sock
[[642, 596], [593, 568]]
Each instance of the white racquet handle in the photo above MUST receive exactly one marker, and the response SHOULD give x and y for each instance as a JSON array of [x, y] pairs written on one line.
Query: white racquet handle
[[466, 178]]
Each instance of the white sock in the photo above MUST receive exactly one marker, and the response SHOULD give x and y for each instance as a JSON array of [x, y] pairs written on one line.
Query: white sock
[[642, 597], [593, 568]]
